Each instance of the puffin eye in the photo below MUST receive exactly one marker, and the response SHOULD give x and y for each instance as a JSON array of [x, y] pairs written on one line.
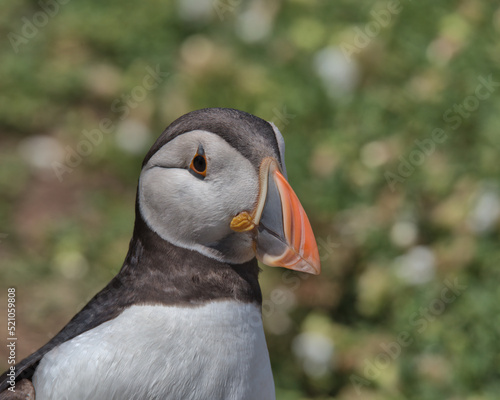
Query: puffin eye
[[198, 166]]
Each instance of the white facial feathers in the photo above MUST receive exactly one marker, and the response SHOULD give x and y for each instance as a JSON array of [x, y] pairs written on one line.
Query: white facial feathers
[[196, 213]]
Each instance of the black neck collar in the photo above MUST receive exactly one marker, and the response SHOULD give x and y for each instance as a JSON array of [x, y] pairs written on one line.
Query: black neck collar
[[160, 272]]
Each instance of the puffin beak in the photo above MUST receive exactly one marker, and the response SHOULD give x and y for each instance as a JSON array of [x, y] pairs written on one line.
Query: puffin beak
[[284, 237]]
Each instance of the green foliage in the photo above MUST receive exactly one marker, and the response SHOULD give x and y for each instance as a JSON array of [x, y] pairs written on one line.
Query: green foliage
[[392, 146]]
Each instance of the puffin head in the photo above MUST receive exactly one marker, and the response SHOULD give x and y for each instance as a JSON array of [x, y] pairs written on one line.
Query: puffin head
[[215, 182]]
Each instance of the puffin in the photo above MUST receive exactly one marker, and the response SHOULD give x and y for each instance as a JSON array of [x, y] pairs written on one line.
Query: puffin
[[182, 319]]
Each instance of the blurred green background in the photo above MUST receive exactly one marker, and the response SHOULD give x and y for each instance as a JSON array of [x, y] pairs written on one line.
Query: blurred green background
[[391, 115]]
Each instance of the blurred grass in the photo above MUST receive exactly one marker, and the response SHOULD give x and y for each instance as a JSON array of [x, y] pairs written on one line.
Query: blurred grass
[[386, 253]]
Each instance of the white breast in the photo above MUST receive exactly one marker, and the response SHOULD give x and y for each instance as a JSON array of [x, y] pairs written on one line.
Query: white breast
[[216, 351]]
